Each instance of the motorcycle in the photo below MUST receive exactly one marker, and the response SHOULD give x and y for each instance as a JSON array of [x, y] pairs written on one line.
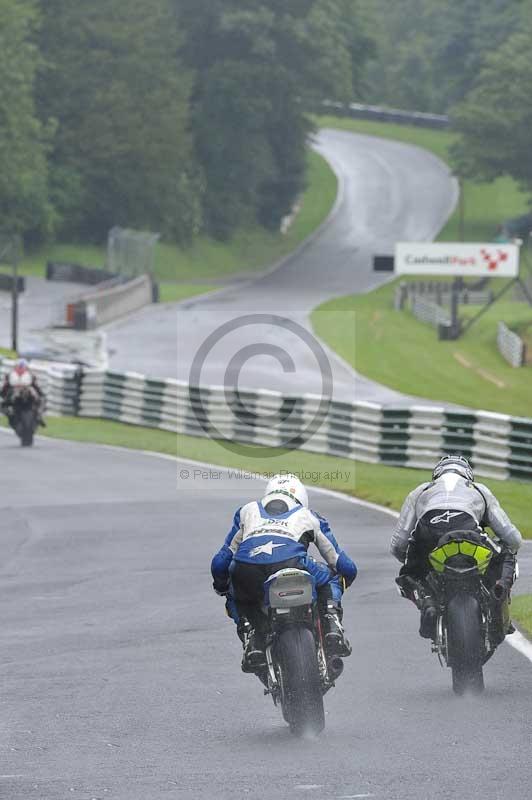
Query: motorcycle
[[298, 671], [469, 626], [23, 414]]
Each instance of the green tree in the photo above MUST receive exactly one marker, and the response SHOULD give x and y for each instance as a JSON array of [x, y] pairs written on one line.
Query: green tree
[[24, 205], [259, 66], [496, 117], [429, 52], [119, 97]]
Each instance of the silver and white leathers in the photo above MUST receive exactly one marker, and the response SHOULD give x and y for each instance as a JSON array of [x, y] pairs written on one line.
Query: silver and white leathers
[[302, 521], [452, 491]]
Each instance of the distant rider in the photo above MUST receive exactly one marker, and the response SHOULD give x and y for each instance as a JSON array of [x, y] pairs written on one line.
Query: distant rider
[[21, 376], [269, 535], [452, 501]]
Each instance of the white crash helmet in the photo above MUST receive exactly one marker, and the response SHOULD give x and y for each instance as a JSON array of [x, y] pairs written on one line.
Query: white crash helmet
[[453, 463], [289, 485]]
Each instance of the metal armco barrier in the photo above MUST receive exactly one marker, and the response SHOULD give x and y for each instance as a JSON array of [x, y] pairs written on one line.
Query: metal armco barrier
[[430, 312], [498, 445], [511, 346], [379, 114], [66, 271], [6, 282]]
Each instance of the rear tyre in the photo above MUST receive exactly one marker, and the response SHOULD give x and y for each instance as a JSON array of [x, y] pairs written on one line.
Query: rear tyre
[[465, 644], [26, 427], [301, 695]]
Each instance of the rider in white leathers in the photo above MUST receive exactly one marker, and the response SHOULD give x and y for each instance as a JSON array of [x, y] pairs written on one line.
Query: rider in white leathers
[[451, 501]]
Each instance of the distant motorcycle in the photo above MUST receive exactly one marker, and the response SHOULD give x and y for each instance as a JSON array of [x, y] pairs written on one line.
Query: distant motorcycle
[[469, 615], [298, 671], [23, 413]]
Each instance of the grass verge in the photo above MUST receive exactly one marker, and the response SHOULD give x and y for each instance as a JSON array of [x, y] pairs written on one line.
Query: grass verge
[[521, 611], [386, 486], [397, 350], [486, 205], [174, 292], [188, 271]]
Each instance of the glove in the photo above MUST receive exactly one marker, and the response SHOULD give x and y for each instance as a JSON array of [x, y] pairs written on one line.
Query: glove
[[500, 591], [221, 587]]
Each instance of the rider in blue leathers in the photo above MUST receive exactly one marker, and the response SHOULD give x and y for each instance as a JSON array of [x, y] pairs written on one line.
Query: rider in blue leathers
[[266, 536]]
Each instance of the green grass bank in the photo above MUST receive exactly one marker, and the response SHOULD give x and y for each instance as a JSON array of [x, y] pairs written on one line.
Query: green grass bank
[[521, 612], [396, 349]]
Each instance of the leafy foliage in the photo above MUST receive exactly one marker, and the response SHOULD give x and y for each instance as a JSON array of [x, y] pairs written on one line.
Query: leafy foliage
[[259, 65], [496, 117], [429, 52], [24, 204], [119, 100], [173, 115]]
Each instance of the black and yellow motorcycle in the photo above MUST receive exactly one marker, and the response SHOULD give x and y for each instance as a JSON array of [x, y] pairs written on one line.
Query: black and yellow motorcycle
[[473, 616]]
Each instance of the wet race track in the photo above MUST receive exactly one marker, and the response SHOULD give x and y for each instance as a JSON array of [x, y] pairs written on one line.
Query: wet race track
[[121, 674], [388, 191]]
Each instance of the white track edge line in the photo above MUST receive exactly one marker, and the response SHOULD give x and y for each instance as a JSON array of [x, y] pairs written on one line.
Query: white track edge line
[[515, 640], [319, 489], [521, 644]]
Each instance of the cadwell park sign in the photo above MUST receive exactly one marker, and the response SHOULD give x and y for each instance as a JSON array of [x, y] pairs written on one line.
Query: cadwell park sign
[[460, 259]]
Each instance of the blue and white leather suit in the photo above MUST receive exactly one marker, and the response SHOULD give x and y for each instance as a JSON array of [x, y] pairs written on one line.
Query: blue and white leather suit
[[259, 537]]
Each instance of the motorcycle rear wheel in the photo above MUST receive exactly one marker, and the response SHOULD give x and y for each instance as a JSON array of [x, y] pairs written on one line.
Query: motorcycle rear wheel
[[301, 695], [26, 427], [465, 644]]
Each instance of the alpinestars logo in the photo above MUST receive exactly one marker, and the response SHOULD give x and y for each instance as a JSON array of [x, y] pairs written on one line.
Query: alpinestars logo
[[446, 517], [492, 260], [266, 549]]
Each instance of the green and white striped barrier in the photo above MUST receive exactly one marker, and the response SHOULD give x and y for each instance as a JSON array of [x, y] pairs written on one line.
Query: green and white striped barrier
[[498, 445]]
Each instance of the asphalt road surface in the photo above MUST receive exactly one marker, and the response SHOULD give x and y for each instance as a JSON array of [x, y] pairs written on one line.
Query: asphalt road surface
[[389, 191], [121, 675]]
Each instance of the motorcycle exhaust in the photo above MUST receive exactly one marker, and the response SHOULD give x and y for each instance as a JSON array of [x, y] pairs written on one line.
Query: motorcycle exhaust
[[335, 666]]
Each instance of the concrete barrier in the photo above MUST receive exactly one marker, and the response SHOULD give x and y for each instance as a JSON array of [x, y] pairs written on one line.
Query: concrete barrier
[[109, 302], [511, 346]]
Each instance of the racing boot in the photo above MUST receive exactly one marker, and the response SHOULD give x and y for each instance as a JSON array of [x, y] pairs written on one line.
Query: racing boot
[[429, 618], [334, 638], [416, 591], [254, 643], [501, 608]]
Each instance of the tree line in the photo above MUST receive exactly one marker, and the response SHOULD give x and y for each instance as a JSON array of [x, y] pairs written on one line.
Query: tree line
[[471, 59], [192, 116], [181, 116]]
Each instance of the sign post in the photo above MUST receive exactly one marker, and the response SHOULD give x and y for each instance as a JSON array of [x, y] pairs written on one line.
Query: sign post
[[14, 298], [462, 260]]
